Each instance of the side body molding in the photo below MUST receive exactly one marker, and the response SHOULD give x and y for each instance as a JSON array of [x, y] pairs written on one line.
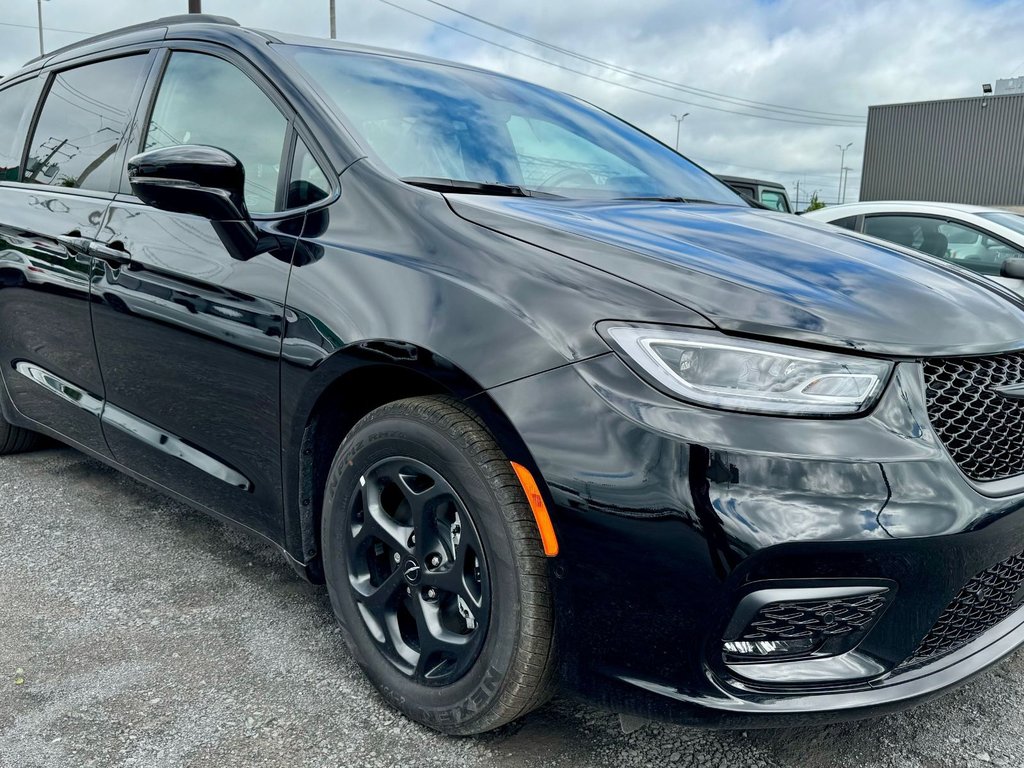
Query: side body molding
[[112, 416]]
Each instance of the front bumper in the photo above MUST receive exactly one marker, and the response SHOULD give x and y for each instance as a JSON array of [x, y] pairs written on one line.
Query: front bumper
[[669, 515]]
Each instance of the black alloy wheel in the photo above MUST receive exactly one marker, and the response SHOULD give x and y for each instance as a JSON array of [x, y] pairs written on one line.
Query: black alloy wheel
[[417, 570], [435, 567]]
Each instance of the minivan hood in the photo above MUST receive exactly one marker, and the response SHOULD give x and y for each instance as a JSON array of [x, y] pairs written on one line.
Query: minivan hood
[[763, 273]]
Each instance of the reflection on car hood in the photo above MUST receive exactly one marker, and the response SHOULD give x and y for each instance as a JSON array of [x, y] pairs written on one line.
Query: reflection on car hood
[[774, 274]]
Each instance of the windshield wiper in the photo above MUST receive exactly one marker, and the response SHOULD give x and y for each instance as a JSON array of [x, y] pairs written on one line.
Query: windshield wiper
[[671, 199], [473, 187]]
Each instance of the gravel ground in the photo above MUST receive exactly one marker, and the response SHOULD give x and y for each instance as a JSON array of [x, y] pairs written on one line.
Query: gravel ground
[[137, 632]]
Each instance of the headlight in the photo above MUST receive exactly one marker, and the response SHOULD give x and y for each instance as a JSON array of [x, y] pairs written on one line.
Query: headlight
[[743, 375]]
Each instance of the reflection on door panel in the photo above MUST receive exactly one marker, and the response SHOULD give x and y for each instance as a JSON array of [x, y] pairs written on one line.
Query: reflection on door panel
[[189, 342], [44, 306]]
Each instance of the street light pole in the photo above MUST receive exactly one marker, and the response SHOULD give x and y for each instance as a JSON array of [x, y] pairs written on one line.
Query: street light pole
[[842, 159], [679, 123], [195, 6], [334, 31], [846, 177]]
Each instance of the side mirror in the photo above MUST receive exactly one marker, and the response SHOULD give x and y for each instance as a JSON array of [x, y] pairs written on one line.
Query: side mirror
[[204, 181], [1012, 268]]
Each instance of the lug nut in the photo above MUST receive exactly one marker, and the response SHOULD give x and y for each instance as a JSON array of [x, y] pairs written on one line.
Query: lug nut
[[397, 557], [431, 594], [412, 540], [434, 560]]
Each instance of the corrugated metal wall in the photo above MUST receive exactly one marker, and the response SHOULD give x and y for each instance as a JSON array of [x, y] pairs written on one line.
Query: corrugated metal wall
[[962, 151]]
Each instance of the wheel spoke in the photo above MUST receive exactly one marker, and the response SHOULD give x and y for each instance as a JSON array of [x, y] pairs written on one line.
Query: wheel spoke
[[377, 525], [378, 599], [434, 639]]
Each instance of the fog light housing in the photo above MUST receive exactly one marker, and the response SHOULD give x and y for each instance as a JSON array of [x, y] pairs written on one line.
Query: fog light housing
[[787, 623]]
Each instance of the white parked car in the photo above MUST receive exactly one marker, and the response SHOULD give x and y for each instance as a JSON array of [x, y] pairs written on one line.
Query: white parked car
[[982, 239]]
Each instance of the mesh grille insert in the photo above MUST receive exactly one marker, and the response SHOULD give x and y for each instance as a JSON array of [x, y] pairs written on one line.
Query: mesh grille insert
[[984, 601], [982, 430], [821, 618]]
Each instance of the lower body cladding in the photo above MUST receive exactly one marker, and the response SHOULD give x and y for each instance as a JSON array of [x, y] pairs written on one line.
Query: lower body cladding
[[740, 570]]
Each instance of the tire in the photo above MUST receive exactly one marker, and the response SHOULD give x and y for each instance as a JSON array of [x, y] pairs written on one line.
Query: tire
[[15, 439], [459, 640]]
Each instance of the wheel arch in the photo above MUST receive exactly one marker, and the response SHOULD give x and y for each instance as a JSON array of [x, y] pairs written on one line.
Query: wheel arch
[[346, 387]]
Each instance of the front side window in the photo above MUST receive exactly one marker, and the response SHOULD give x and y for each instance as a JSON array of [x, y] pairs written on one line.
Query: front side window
[[436, 121], [774, 199], [950, 240], [206, 100], [84, 116], [14, 103], [307, 182]]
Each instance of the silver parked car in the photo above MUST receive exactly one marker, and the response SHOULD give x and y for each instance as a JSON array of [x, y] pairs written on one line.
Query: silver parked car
[[983, 239]]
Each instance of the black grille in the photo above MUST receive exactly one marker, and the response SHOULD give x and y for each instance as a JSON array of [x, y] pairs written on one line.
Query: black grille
[[982, 430], [984, 601], [818, 618]]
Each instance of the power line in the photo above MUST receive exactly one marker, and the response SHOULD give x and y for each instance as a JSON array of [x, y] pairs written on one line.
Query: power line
[[35, 27], [713, 95], [673, 99]]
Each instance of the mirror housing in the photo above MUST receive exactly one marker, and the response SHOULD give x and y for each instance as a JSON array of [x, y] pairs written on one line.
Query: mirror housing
[[190, 178], [1012, 268], [202, 181]]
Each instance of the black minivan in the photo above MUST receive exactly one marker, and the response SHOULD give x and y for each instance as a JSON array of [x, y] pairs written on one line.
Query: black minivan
[[543, 403]]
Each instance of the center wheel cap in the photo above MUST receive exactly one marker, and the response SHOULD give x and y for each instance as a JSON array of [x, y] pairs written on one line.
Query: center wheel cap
[[412, 572]]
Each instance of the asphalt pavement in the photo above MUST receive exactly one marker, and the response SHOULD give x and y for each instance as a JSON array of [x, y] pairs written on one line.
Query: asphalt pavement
[[137, 632]]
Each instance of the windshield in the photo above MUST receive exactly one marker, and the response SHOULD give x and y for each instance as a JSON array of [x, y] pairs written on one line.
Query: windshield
[[440, 122], [1009, 220]]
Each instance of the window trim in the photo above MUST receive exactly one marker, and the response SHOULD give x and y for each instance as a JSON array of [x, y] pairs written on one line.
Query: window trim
[[49, 75], [294, 125]]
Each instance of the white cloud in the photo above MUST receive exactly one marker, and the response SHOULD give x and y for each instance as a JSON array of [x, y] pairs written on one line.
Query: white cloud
[[838, 57]]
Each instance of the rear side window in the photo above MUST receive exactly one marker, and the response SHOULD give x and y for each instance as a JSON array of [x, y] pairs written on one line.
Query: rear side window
[[206, 100], [83, 120], [14, 103], [849, 222]]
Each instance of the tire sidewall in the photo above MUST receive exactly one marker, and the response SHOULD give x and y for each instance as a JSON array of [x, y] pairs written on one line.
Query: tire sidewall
[[469, 697]]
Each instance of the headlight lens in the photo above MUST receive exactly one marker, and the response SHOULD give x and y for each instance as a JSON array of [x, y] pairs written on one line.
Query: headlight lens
[[758, 377]]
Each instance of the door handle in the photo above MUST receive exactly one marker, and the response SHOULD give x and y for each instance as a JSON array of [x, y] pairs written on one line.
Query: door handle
[[74, 243], [116, 257]]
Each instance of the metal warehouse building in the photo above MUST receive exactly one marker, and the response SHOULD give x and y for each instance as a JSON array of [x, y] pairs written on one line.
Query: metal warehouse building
[[958, 150]]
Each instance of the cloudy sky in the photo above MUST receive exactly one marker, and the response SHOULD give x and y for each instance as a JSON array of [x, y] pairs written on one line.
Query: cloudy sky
[[771, 86]]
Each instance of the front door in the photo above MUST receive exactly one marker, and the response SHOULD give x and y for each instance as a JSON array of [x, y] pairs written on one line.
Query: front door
[[188, 331]]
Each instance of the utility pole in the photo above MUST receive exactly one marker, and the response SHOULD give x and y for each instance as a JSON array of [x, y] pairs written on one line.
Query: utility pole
[[39, 13], [195, 6], [796, 205], [334, 29], [842, 161], [679, 123]]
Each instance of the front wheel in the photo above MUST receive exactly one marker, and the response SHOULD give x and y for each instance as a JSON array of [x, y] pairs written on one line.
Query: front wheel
[[435, 568]]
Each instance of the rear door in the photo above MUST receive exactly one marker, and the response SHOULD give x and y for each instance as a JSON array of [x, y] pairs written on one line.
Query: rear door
[[188, 331], [52, 199]]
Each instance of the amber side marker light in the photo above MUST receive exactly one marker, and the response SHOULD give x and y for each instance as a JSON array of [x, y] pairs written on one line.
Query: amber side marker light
[[540, 509]]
